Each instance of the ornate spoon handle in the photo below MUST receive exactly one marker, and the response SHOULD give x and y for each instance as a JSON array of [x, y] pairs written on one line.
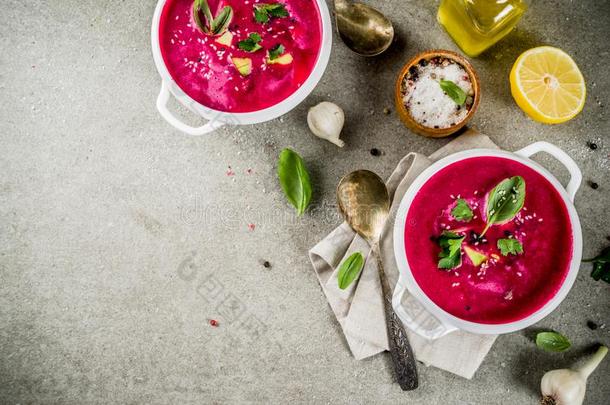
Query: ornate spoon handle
[[400, 349]]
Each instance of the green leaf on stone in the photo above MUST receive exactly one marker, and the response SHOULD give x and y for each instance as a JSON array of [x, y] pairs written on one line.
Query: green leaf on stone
[[294, 179], [552, 342]]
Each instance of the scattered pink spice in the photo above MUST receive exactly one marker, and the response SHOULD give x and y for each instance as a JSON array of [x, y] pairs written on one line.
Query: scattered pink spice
[[213, 322], [249, 170], [230, 172], [251, 227]]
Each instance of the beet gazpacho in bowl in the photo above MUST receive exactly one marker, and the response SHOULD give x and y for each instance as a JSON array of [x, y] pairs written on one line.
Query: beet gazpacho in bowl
[[238, 62], [488, 241]]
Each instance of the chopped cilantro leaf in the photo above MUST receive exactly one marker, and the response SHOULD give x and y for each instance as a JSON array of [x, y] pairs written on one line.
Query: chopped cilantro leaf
[[510, 246], [451, 250], [462, 211]]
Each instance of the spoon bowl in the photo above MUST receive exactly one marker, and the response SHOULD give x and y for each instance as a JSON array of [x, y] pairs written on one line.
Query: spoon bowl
[[364, 202], [364, 30]]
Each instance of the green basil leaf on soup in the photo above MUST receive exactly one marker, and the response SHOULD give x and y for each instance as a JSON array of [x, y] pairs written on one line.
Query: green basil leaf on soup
[[505, 201]]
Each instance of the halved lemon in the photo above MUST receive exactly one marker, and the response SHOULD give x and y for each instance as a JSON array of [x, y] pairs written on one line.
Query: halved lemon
[[547, 85]]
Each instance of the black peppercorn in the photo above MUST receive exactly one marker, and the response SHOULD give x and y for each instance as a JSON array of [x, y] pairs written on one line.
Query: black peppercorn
[[592, 325], [593, 185], [266, 264], [375, 152], [592, 145]]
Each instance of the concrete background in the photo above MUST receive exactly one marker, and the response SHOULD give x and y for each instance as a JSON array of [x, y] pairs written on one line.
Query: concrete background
[[121, 238]]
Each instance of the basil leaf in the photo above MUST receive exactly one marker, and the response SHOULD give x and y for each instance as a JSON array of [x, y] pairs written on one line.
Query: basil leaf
[[451, 250], [349, 270], [211, 25], [601, 266], [454, 91], [222, 21], [251, 44], [262, 11], [505, 201], [202, 6], [294, 179], [462, 211], [552, 342], [510, 246], [276, 51]]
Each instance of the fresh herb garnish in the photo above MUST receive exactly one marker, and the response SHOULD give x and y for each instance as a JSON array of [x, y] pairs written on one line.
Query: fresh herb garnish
[[601, 266], [276, 51], [211, 25], [510, 246], [350, 269], [451, 250], [262, 12], [462, 211], [552, 342], [250, 44], [294, 179], [505, 201], [454, 91]]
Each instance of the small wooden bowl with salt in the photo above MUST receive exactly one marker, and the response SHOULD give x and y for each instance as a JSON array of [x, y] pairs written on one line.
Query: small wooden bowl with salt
[[437, 93]]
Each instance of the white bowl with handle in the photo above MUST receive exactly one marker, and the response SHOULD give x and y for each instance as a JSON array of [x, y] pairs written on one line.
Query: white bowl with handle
[[215, 118], [415, 314]]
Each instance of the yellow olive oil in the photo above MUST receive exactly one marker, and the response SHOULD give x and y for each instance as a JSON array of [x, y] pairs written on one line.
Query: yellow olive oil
[[475, 25]]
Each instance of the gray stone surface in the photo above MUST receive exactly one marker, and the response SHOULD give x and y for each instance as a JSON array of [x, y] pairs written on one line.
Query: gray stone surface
[[121, 238]]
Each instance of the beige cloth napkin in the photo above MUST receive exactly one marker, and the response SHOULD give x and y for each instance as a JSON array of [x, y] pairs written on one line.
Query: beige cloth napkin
[[359, 308]]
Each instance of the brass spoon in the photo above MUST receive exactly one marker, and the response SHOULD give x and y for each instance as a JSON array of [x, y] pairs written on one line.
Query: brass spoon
[[363, 29], [365, 204]]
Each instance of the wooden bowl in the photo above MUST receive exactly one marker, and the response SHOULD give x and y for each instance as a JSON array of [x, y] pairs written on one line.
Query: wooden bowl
[[405, 116]]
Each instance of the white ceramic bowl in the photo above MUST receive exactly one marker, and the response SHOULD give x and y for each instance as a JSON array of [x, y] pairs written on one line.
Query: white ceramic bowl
[[217, 119], [446, 321]]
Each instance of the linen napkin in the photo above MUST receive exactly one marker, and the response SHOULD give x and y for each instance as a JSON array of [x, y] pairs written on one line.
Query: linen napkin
[[359, 308]]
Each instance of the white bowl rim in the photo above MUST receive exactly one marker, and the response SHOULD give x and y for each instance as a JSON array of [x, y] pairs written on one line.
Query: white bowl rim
[[253, 117], [406, 278]]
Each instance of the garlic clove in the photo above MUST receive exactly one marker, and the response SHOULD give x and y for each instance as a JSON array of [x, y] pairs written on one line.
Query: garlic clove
[[563, 387], [326, 121], [567, 387]]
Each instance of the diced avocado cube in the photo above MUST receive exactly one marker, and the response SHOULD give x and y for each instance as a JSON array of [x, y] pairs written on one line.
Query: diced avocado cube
[[285, 59], [477, 258], [243, 65], [225, 39]]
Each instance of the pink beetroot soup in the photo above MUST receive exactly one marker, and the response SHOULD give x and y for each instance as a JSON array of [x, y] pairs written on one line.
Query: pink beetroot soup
[[204, 70], [504, 288]]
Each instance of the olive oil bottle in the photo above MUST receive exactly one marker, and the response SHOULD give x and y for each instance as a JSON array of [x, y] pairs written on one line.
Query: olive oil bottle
[[475, 25]]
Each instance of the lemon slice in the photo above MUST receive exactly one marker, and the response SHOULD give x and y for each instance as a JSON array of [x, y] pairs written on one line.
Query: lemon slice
[[547, 85]]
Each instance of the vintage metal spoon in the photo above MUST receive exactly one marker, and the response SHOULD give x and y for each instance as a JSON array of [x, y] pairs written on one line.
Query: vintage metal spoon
[[363, 29], [365, 204]]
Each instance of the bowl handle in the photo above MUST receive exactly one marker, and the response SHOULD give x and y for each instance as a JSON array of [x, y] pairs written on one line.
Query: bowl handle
[[418, 319], [162, 100], [562, 157]]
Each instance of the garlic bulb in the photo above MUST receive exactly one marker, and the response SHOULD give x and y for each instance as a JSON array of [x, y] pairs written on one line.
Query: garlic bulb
[[326, 121], [567, 387]]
